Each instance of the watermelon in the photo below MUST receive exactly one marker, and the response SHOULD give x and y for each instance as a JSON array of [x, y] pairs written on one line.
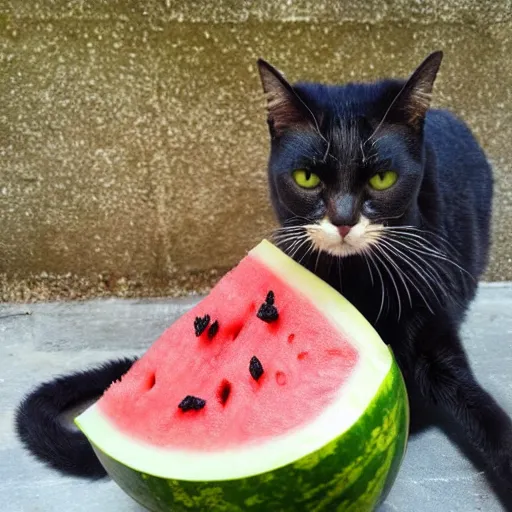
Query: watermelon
[[272, 394]]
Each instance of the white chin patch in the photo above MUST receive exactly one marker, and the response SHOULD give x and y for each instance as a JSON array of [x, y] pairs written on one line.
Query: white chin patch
[[325, 237]]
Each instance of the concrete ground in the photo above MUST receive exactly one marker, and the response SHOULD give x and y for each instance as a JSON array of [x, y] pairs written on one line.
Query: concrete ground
[[60, 337]]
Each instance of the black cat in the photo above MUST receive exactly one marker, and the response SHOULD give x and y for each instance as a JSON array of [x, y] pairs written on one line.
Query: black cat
[[388, 201]]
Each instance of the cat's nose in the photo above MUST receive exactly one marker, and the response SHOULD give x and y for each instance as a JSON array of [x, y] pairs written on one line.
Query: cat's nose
[[344, 230]]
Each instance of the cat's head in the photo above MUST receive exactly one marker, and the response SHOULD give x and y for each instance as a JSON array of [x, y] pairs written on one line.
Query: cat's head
[[346, 160]]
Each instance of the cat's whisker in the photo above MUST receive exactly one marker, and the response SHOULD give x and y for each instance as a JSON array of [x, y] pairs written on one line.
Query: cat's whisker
[[398, 271], [284, 237], [407, 230], [418, 279], [285, 229], [288, 234], [277, 230], [289, 249], [365, 256], [378, 127], [287, 237], [265, 232], [441, 242], [308, 252], [288, 228], [383, 262], [317, 260], [412, 251], [313, 226], [418, 272], [298, 247], [391, 243], [289, 246], [291, 241], [430, 272], [420, 242], [373, 142], [425, 243], [370, 255], [326, 154], [362, 152], [339, 274], [371, 237], [420, 247]]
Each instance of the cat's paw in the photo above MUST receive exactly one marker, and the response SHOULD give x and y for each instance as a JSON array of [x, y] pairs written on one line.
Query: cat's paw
[[502, 467]]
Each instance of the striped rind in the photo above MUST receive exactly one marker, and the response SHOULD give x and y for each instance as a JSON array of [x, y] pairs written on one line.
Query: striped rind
[[352, 473]]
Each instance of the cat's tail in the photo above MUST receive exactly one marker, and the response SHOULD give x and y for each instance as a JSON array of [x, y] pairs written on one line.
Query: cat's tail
[[41, 423]]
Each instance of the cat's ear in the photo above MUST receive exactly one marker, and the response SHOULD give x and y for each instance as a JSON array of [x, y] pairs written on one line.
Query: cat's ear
[[413, 100], [286, 111]]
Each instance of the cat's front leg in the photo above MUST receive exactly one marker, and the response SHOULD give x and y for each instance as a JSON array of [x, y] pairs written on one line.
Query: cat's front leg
[[443, 376]]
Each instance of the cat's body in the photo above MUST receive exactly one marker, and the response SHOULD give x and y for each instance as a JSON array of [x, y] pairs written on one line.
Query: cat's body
[[390, 203]]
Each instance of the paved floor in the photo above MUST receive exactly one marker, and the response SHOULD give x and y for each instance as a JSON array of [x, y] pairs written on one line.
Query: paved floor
[[57, 338]]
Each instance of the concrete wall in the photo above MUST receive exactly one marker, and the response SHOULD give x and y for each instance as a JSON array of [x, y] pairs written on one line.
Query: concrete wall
[[133, 141]]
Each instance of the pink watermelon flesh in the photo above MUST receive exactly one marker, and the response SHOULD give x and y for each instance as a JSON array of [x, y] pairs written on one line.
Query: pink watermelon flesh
[[305, 362]]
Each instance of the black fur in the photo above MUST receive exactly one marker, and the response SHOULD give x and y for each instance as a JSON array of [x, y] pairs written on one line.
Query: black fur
[[43, 430], [345, 134]]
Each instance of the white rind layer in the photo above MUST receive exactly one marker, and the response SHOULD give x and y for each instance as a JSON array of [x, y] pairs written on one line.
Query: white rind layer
[[357, 393]]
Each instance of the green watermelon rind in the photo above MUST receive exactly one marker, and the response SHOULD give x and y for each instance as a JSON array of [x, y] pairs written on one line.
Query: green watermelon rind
[[352, 473]]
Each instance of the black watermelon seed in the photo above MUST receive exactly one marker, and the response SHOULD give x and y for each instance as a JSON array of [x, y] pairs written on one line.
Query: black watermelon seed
[[270, 298], [192, 403], [200, 324], [268, 313], [255, 368], [224, 391], [213, 330]]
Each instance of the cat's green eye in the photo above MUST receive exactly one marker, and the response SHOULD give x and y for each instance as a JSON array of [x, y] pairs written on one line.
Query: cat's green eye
[[305, 178], [383, 180]]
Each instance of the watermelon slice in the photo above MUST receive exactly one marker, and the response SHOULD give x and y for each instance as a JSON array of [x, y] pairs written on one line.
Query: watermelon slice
[[272, 394]]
